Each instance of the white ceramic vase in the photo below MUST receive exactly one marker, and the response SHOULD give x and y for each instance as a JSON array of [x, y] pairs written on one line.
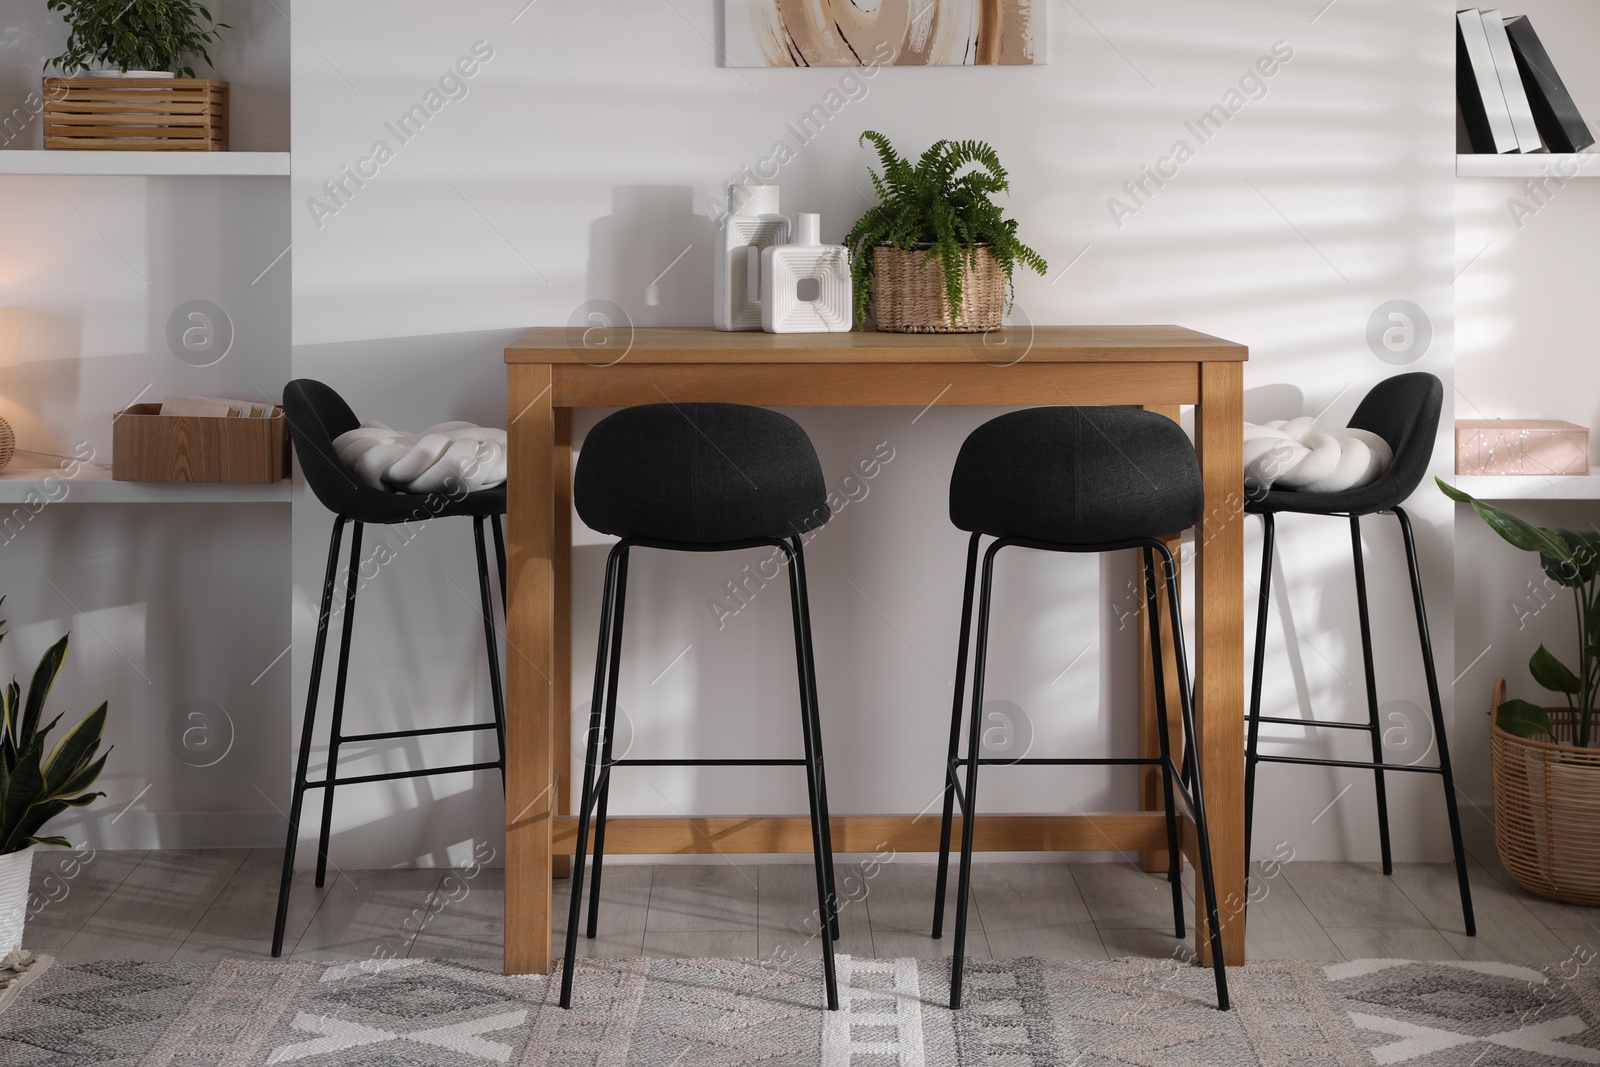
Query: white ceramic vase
[[16, 869], [805, 286], [752, 224]]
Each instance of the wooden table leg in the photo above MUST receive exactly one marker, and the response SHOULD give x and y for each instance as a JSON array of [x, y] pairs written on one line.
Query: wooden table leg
[[1219, 659], [530, 667], [561, 644], [1150, 794]]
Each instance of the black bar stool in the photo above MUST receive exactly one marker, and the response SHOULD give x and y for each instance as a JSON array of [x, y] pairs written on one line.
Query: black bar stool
[[316, 416], [698, 478], [1071, 479], [1404, 411]]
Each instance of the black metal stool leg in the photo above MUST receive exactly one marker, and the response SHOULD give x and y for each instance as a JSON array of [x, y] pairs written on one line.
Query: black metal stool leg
[[591, 758], [337, 726], [304, 759], [1253, 742], [819, 842], [1174, 853], [1201, 833], [1373, 720], [607, 737], [969, 794], [816, 736], [500, 557], [1467, 917], [955, 737], [491, 642]]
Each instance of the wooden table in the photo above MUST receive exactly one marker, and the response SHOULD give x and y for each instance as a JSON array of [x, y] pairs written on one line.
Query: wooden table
[[553, 370]]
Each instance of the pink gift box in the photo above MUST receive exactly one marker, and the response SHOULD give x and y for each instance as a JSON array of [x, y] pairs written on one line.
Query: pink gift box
[[1521, 446]]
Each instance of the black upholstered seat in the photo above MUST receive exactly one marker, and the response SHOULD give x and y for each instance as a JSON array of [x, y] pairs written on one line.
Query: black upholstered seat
[[1404, 411], [316, 416], [697, 478], [1074, 475], [700, 474], [1086, 480]]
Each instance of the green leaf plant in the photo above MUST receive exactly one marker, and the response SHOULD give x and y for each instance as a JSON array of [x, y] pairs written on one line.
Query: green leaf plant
[[1572, 560], [941, 208], [35, 788], [135, 34]]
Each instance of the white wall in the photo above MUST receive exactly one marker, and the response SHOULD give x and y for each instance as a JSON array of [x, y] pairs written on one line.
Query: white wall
[[173, 610], [580, 164]]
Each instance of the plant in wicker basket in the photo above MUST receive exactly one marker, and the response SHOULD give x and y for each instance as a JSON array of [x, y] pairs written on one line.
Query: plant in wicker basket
[[942, 214], [135, 34], [1546, 761]]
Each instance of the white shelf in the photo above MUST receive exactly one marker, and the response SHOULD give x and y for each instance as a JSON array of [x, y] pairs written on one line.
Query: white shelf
[[93, 485], [1530, 486], [1536, 165], [150, 164]]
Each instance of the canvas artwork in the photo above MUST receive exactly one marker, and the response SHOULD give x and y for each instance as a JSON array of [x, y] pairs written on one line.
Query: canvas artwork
[[893, 33]]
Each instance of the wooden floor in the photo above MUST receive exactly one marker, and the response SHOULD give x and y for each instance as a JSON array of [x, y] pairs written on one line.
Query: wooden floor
[[200, 905]]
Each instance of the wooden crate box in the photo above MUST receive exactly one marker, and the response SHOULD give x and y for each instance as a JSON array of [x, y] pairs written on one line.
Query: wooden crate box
[[136, 114], [147, 446]]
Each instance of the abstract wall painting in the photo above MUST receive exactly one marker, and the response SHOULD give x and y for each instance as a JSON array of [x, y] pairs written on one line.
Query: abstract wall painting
[[892, 33]]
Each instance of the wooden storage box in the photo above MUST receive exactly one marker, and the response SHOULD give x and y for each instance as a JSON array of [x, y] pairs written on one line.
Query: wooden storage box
[[1521, 446], [136, 114], [147, 446]]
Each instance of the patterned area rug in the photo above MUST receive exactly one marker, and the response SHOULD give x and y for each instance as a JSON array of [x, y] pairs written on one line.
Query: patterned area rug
[[678, 1013]]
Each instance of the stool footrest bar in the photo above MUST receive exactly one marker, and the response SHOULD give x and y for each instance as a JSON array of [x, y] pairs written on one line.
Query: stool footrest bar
[[391, 776], [1358, 764]]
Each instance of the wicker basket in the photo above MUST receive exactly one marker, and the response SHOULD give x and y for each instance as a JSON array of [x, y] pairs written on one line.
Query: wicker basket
[[908, 292], [1546, 809]]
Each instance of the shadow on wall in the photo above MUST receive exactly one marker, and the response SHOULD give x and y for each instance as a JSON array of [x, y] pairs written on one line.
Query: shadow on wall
[[652, 256]]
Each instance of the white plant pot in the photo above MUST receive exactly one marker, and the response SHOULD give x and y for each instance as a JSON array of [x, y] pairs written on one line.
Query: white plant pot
[[16, 872]]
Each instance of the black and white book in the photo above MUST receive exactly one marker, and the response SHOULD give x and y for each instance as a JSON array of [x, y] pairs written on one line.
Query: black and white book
[[1505, 67], [1478, 93], [1560, 125]]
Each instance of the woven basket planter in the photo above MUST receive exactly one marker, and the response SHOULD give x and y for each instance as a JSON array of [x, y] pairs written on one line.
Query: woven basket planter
[[1546, 809], [908, 292]]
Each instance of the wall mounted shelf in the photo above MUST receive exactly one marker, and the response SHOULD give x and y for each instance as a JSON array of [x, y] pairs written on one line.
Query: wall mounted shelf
[[1530, 487], [147, 164], [1537, 165], [93, 485]]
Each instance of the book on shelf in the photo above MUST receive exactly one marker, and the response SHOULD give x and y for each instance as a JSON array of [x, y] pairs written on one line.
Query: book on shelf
[[1560, 124], [1505, 69], [1509, 98], [1481, 100]]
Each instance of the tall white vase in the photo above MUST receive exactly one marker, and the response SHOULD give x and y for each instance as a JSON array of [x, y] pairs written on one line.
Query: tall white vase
[[805, 286], [16, 868], [752, 224]]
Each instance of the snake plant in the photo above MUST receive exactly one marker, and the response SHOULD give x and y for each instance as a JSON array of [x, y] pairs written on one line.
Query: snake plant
[[35, 788]]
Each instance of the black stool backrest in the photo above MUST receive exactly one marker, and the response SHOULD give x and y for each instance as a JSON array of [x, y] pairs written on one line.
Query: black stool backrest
[[1404, 411], [316, 416]]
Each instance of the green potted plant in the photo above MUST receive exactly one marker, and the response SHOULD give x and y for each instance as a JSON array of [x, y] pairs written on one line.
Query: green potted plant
[[1545, 761], [936, 254], [135, 38], [35, 787]]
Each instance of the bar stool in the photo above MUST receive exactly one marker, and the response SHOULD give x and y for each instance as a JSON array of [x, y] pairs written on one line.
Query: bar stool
[[316, 416], [1072, 479], [698, 478], [1404, 411]]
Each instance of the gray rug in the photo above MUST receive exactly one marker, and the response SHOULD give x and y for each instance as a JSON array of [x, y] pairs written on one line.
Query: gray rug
[[679, 1013]]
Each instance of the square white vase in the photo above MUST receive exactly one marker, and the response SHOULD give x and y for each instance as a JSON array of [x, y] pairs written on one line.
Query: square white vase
[[805, 286], [751, 225], [16, 870]]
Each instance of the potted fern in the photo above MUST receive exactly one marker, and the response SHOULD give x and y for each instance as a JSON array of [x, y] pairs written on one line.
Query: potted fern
[[35, 787], [936, 254], [1545, 761]]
